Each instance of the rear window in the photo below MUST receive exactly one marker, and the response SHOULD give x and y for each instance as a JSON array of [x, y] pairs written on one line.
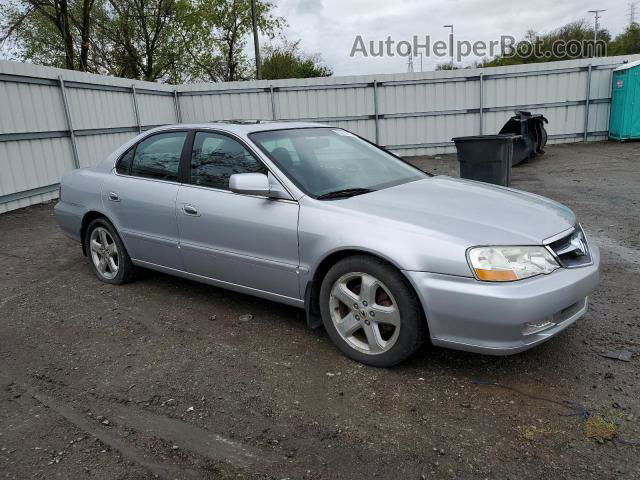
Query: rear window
[[157, 156]]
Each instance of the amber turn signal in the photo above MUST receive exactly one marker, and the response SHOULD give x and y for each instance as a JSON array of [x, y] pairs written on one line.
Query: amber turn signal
[[495, 275]]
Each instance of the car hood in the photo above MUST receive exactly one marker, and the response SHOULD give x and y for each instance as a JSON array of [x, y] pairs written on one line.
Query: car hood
[[473, 213]]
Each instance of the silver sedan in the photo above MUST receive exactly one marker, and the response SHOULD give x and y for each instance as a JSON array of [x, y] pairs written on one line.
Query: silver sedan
[[382, 254]]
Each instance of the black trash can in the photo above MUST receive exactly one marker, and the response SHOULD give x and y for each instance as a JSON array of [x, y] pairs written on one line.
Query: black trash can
[[486, 158], [533, 135]]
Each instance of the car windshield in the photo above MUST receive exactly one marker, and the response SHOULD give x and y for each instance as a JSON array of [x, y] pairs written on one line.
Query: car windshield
[[324, 162]]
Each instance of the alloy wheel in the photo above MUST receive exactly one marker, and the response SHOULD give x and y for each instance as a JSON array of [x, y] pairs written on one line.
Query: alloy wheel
[[364, 313], [104, 253]]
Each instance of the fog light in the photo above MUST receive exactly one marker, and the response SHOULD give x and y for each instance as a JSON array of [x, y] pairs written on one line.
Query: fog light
[[534, 327]]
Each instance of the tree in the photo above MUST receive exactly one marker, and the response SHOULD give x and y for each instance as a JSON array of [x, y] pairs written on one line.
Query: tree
[[288, 61], [536, 48], [227, 24], [155, 40], [628, 42], [142, 38], [51, 32], [447, 66]]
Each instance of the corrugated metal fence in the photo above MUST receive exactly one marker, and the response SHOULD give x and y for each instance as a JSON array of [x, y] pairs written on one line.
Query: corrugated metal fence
[[54, 120]]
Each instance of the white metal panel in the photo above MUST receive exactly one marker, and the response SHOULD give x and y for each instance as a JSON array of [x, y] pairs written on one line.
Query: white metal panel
[[600, 84], [599, 117], [451, 99], [233, 106], [92, 149], [27, 202], [38, 71], [312, 104], [30, 108], [35, 163], [364, 128], [156, 109], [100, 109]]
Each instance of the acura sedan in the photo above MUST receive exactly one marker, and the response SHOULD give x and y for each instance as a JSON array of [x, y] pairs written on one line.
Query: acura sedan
[[382, 254]]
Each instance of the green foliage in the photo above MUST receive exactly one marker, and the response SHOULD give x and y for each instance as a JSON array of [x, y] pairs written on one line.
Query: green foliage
[[447, 66], [157, 40], [51, 32], [545, 46], [51, 52], [627, 43], [288, 61], [217, 32], [142, 38]]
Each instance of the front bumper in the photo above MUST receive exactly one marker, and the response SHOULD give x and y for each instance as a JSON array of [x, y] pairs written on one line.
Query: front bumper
[[466, 314]]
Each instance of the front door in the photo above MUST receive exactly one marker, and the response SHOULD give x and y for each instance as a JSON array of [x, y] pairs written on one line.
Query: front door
[[243, 240]]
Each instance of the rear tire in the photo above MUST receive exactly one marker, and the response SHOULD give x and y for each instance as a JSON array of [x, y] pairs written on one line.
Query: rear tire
[[108, 256], [370, 311]]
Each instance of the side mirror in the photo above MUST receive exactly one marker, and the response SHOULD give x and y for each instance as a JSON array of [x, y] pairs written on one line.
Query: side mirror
[[277, 190], [250, 184]]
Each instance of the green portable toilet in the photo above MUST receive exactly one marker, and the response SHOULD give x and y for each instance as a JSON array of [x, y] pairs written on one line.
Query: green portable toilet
[[624, 123]]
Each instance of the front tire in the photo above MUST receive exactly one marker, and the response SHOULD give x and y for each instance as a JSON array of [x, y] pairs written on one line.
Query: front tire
[[370, 311], [109, 258]]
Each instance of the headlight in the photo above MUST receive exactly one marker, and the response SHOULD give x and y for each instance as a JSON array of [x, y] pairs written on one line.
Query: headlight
[[504, 264]]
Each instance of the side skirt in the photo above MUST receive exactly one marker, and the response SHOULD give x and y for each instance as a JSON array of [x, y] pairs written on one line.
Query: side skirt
[[295, 302]]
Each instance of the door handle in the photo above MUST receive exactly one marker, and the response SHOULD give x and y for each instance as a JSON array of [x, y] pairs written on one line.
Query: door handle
[[190, 210], [113, 196]]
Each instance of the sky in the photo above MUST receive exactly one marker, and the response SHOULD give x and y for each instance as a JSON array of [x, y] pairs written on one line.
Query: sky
[[330, 27]]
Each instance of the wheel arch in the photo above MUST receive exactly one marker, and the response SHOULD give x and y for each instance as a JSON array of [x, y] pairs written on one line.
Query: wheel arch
[[89, 217], [312, 289]]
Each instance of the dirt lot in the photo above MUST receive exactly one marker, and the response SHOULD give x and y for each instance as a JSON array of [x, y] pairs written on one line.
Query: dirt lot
[[161, 378]]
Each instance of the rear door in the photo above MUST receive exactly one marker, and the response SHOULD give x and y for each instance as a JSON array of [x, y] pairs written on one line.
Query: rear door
[[140, 198], [244, 240]]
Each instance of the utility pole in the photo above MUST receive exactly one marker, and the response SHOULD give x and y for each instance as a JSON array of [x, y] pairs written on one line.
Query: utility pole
[[596, 13], [450, 42], [256, 42], [632, 12], [410, 63]]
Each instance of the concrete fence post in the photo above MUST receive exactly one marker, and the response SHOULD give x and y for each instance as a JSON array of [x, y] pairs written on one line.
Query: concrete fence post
[[67, 114]]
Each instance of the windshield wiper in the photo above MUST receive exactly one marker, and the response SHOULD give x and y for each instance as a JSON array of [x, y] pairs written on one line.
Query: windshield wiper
[[345, 193]]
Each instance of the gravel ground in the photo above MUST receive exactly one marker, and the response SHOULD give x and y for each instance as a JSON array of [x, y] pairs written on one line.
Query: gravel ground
[[161, 377]]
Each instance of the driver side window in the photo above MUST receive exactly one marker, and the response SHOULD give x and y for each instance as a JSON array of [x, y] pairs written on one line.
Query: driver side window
[[216, 157]]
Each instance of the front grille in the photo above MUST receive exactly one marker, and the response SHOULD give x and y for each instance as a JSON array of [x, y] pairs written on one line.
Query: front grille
[[572, 250]]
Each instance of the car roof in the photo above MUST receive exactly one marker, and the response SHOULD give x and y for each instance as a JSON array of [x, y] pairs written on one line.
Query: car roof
[[245, 127]]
